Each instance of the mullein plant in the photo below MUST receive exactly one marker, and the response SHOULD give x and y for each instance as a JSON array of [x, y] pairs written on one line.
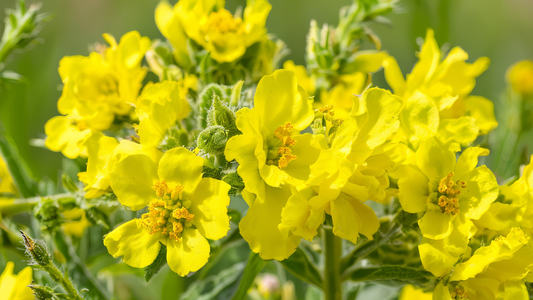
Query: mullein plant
[[340, 181]]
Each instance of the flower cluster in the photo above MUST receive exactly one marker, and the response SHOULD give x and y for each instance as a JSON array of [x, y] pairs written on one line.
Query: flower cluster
[[308, 148]]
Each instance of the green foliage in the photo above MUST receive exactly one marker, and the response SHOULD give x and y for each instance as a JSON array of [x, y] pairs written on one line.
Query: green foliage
[[21, 28], [301, 266], [235, 180], [393, 275], [18, 169], [254, 265], [157, 265]]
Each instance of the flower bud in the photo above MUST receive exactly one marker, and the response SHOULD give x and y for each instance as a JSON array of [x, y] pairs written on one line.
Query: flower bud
[[213, 140], [35, 251], [221, 115], [42, 292], [520, 77]]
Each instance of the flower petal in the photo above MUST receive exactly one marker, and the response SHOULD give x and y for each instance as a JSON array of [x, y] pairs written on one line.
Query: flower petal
[[351, 217], [138, 247], [132, 180], [435, 159], [481, 190], [436, 225], [278, 99], [260, 226], [180, 165], [413, 186], [209, 206], [189, 254]]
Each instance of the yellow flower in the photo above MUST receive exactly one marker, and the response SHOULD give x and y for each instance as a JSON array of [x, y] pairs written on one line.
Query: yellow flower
[[183, 210], [438, 90], [159, 106], [451, 194], [516, 210], [103, 154], [15, 287], [520, 77], [96, 89], [493, 272], [271, 152], [96, 179], [105, 83], [67, 134], [224, 36], [348, 172]]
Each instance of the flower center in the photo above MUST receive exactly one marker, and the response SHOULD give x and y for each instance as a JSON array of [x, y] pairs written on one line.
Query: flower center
[[459, 294], [168, 214], [279, 146], [447, 194], [222, 21]]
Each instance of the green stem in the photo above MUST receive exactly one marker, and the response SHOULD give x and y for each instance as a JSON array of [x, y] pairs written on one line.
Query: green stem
[[20, 205], [220, 161], [63, 280], [332, 272]]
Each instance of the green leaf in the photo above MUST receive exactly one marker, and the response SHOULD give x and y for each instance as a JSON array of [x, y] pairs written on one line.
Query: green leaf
[[254, 265], [159, 262], [392, 275], [216, 286], [18, 169], [301, 266]]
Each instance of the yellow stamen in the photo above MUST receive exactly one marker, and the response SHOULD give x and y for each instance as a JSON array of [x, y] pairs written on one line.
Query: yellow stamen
[[328, 109], [286, 157], [222, 21], [167, 215], [459, 294], [448, 200], [284, 134], [449, 205]]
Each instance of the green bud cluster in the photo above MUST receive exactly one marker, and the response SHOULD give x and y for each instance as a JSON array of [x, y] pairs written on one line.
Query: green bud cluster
[[47, 213], [330, 50], [21, 28], [213, 139], [221, 126]]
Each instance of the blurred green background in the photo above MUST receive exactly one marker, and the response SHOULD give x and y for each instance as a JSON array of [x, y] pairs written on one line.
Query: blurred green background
[[499, 29]]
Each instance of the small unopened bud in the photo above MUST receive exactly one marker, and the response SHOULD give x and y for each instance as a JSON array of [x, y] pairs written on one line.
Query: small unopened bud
[[221, 115], [36, 252], [213, 140], [42, 292]]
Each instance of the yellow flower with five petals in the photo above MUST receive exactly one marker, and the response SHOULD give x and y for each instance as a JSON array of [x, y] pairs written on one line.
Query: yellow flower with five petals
[[183, 210]]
